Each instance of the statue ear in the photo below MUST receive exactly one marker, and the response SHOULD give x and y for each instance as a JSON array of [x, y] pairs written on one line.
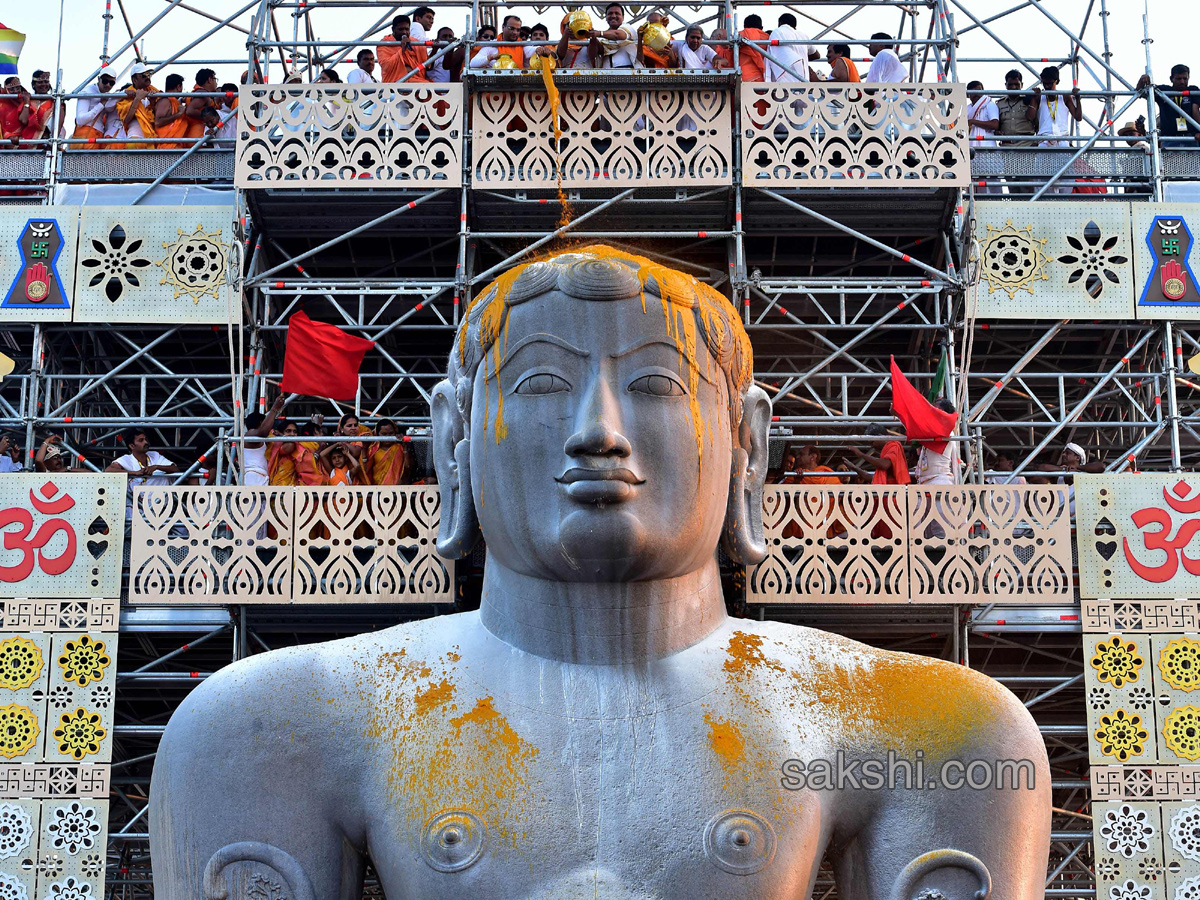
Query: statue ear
[[459, 529], [743, 535]]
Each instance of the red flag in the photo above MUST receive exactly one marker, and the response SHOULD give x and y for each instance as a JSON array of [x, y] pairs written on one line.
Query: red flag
[[321, 360], [922, 420]]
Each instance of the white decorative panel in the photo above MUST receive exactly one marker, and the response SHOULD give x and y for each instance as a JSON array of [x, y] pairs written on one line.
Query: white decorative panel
[[1064, 260], [914, 544], [1129, 851], [877, 135], [63, 535], [1138, 536], [156, 264], [610, 138], [287, 545], [340, 135], [1166, 238], [37, 262]]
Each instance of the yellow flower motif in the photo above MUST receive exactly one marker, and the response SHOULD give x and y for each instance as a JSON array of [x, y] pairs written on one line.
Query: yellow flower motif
[[1117, 662], [79, 733], [20, 663], [18, 730], [1182, 731], [1121, 735], [83, 661], [1179, 663]]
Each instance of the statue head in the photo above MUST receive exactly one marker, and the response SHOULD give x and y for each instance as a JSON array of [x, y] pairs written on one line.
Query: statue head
[[599, 422]]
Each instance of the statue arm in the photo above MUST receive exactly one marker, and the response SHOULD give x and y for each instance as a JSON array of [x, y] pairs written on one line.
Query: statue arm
[[244, 785], [952, 840]]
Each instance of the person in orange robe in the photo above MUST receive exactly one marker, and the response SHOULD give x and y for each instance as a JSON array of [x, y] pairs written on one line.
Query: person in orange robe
[[388, 461], [891, 467], [169, 120], [398, 56], [206, 80], [665, 58], [136, 109], [751, 61], [20, 104], [810, 461]]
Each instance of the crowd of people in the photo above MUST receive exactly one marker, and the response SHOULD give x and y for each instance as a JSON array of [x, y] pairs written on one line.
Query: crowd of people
[[887, 460], [138, 116], [1043, 115], [386, 456]]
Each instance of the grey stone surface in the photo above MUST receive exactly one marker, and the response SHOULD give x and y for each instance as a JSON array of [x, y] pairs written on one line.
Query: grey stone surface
[[600, 727]]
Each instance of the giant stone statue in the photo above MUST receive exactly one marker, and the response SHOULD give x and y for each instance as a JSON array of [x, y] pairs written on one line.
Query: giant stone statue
[[600, 727]]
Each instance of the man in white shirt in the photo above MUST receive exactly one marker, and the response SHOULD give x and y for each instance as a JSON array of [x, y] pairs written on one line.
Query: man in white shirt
[[92, 114], [421, 25], [983, 117], [792, 51], [7, 463], [141, 464], [885, 64], [364, 74], [1053, 111], [438, 70], [227, 131], [616, 46]]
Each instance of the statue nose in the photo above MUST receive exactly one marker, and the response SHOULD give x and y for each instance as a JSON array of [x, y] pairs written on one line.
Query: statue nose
[[598, 438], [598, 431]]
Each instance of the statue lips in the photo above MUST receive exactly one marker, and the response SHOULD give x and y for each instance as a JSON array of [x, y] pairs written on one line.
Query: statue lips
[[599, 485]]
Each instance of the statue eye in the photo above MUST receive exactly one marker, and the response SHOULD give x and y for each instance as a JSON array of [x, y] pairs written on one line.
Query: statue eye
[[657, 386], [543, 383]]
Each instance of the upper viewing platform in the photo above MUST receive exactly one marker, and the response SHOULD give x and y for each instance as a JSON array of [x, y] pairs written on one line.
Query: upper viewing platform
[[337, 95]]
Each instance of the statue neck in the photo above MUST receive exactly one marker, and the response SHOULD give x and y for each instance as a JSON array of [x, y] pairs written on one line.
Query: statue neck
[[606, 623]]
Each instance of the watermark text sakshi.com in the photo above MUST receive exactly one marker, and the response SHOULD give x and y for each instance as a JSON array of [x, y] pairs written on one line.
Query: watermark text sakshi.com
[[902, 773]]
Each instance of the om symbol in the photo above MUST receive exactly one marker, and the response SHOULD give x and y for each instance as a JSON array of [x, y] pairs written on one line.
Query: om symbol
[[31, 547], [1160, 538]]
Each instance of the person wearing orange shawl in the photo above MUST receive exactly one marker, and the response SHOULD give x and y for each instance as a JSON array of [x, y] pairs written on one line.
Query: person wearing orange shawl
[[891, 466], [294, 463], [751, 61], [398, 55], [169, 121], [842, 67], [666, 58], [810, 461], [134, 109], [206, 80], [387, 462]]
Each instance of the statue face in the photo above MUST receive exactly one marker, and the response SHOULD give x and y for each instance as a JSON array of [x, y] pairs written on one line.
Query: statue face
[[599, 476]]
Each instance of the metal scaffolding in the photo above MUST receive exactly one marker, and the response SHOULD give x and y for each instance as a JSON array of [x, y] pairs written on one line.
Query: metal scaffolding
[[832, 284]]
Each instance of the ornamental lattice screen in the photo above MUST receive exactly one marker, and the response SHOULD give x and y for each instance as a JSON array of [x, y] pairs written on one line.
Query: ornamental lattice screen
[[918, 544], [287, 545], [610, 138]]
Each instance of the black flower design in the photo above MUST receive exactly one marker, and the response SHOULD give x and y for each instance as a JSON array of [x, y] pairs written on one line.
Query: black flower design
[[1093, 260], [115, 263]]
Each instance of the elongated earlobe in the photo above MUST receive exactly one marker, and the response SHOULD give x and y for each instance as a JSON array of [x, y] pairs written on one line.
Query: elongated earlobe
[[742, 537], [459, 529]]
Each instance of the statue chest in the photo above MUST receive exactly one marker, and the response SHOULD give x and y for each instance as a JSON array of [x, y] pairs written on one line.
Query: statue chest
[[512, 801]]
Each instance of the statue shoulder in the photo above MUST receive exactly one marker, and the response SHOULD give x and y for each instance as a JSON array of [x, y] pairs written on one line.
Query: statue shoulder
[[879, 700]]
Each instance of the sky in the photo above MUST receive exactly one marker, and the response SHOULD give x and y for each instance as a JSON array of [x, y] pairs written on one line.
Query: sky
[[1028, 32]]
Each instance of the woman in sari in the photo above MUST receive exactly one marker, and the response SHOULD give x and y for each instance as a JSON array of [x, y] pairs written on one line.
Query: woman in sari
[[294, 463], [387, 459]]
